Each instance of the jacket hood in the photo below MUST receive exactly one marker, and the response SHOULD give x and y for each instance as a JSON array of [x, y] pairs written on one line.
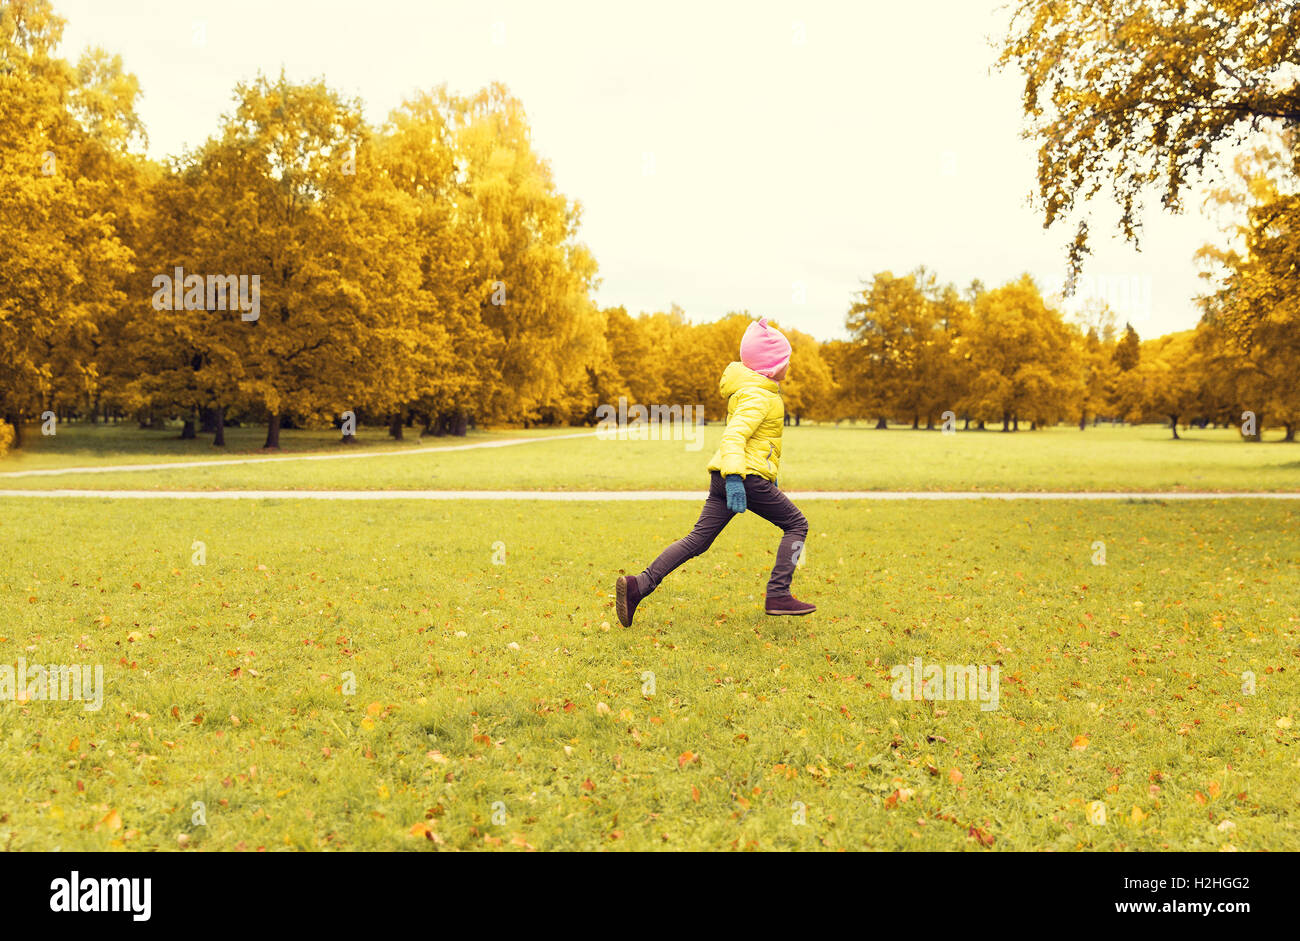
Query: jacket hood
[[738, 376]]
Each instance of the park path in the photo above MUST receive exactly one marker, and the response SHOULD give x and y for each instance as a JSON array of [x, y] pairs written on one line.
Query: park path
[[226, 462], [603, 495]]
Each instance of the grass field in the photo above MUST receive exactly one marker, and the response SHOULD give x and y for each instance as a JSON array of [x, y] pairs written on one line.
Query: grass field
[[503, 705], [1142, 458], [78, 444]]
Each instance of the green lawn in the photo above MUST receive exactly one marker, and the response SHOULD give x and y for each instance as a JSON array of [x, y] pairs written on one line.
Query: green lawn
[[478, 683], [1140, 458], [78, 444]]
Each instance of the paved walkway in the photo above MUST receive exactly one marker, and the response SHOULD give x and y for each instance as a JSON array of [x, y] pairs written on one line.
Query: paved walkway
[[225, 462], [581, 495]]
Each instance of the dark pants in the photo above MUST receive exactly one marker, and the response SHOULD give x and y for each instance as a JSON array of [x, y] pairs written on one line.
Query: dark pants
[[764, 499]]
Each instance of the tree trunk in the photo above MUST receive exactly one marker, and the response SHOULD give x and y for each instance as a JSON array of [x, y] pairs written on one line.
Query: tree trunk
[[16, 422], [1258, 436], [1006, 421], [1083, 421], [395, 426], [461, 424], [187, 430], [272, 433], [218, 427], [881, 424], [1290, 432], [1173, 426]]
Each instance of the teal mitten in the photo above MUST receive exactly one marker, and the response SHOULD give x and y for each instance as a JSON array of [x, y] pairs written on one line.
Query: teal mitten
[[735, 493]]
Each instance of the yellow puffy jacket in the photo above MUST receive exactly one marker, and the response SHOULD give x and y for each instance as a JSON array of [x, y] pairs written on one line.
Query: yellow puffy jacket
[[751, 442]]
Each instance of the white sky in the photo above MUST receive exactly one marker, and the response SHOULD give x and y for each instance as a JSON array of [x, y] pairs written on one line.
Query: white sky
[[724, 153]]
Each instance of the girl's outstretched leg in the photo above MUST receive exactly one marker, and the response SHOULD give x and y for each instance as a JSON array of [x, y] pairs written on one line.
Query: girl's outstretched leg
[[630, 589], [766, 499]]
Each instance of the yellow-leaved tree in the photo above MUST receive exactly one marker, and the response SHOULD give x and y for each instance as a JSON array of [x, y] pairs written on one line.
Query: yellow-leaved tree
[[63, 132], [1025, 358]]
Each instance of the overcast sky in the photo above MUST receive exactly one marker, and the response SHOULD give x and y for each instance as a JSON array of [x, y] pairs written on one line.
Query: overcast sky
[[760, 156]]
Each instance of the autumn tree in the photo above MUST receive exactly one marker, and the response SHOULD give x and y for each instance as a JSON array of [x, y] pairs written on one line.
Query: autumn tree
[[1128, 351], [909, 342], [168, 359], [1025, 357], [700, 352], [809, 387], [847, 399], [63, 133], [290, 193], [638, 364], [1166, 384], [417, 151], [1098, 375], [1129, 97], [1255, 307], [535, 277]]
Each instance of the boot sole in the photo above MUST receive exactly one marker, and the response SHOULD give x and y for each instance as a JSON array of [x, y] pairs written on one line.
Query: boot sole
[[797, 614], [620, 605]]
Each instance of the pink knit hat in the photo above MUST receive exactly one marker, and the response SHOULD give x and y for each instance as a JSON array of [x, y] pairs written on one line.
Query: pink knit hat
[[764, 349]]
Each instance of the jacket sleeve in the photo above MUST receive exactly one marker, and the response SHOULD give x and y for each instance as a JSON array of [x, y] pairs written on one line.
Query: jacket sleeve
[[744, 421]]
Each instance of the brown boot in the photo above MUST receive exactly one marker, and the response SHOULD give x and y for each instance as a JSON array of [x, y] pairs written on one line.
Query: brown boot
[[628, 593], [788, 604]]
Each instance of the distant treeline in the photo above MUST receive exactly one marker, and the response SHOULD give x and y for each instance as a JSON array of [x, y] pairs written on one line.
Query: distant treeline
[[302, 266]]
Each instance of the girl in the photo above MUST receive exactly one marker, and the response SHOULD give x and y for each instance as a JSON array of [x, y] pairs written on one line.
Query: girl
[[744, 473]]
